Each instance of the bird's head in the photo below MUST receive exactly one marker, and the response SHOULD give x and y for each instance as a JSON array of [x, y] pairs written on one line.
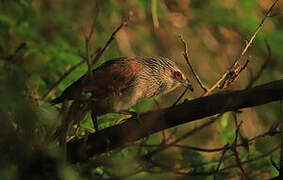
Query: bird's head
[[178, 78], [167, 73], [174, 76]]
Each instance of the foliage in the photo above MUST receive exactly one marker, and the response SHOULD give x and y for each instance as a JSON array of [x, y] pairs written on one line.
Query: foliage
[[51, 36]]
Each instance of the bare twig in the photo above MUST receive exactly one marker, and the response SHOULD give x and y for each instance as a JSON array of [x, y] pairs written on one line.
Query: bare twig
[[252, 160], [186, 135], [250, 141], [112, 37], [98, 53], [186, 147], [232, 76], [247, 45], [87, 41], [74, 135], [235, 165], [186, 56], [180, 97], [87, 59], [190, 172], [221, 160], [263, 67], [243, 67], [130, 174], [216, 84], [170, 136], [234, 149]]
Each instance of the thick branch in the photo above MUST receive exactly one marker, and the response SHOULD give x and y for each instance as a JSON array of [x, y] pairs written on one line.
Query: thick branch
[[155, 121]]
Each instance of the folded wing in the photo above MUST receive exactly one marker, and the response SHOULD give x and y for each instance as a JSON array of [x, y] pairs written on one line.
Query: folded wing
[[109, 79]]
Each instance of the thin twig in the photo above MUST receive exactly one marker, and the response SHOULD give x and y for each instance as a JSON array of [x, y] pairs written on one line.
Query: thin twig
[[74, 135], [235, 165], [243, 67], [190, 171], [186, 56], [112, 37], [232, 76], [234, 149], [93, 22], [99, 53], [250, 141], [180, 97], [252, 160], [87, 59], [221, 160], [87, 41], [186, 135], [216, 84], [247, 45], [263, 67], [170, 136]]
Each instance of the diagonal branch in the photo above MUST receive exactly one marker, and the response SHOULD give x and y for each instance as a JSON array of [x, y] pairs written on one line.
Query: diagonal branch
[[186, 56], [266, 63], [88, 39], [243, 52], [98, 53], [155, 121], [112, 37], [221, 160], [248, 44]]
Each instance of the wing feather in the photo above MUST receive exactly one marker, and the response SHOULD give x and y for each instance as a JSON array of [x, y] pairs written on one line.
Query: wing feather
[[110, 78]]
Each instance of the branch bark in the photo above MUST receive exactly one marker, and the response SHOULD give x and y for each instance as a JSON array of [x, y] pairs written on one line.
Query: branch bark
[[79, 150]]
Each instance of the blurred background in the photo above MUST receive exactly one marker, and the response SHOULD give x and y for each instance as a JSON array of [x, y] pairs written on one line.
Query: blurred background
[[40, 40]]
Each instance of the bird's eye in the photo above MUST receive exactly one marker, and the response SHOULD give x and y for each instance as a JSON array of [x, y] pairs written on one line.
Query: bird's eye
[[178, 75]]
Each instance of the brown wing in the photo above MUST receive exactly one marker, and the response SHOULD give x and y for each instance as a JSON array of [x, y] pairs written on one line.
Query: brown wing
[[112, 78]]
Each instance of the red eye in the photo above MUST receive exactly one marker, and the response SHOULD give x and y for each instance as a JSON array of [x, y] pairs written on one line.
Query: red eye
[[178, 75]]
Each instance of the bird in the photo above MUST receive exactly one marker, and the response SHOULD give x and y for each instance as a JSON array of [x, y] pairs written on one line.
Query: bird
[[120, 83]]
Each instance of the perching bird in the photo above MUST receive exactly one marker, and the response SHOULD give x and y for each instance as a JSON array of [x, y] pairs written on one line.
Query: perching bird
[[120, 83]]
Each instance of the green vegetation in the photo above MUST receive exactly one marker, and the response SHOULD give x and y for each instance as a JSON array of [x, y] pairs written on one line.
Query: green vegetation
[[40, 40]]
